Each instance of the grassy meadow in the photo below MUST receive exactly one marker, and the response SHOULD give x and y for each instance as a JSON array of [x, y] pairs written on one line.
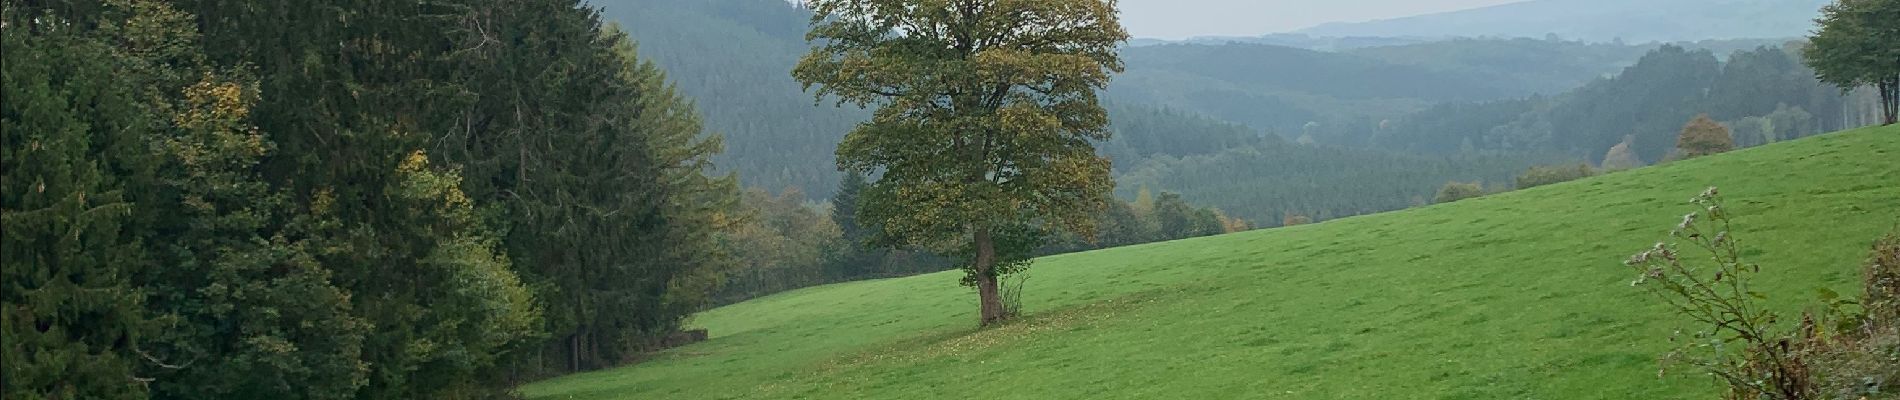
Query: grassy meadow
[[1518, 295]]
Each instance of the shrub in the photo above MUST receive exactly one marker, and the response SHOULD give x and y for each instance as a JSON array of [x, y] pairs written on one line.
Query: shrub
[[1621, 157], [1834, 356], [1882, 279], [1863, 361], [1739, 342], [1861, 365], [1703, 136], [1456, 191], [1545, 175]]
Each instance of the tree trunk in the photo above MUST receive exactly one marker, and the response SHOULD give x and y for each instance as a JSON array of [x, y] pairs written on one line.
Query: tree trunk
[[574, 352], [1890, 100], [986, 288]]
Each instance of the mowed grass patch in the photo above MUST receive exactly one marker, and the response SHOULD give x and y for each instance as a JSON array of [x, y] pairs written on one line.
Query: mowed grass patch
[[1515, 295]]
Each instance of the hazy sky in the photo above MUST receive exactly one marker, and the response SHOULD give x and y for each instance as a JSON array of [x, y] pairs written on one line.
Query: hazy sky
[[1176, 19]]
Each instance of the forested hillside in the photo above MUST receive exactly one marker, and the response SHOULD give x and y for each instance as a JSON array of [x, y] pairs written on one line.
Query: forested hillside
[[1366, 89], [733, 58], [1765, 94]]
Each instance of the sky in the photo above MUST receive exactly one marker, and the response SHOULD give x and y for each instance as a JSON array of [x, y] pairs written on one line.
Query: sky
[[1178, 19]]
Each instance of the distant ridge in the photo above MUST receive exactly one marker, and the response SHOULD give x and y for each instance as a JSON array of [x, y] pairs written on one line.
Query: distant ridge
[[1600, 20]]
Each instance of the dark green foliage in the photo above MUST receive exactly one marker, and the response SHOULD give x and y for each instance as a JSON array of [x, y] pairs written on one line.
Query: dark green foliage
[[1544, 175], [598, 181], [1456, 191], [1143, 133], [208, 199], [1175, 219], [844, 211], [351, 94], [1461, 127], [861, 254], [70, 125], [241, 284], [1121, 225]]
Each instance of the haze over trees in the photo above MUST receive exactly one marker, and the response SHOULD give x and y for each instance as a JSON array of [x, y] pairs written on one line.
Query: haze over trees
[[1644, 106], [1633, 21]]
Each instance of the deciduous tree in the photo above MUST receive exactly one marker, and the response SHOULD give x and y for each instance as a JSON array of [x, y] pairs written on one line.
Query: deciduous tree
[[1859, 45], [986, 122], [1703, 136]]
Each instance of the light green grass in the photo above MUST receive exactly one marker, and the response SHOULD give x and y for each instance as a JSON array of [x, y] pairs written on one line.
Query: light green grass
[[1519, 295]]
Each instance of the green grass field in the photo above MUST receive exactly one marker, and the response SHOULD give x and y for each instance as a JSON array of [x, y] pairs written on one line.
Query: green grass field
[[1519, 295]]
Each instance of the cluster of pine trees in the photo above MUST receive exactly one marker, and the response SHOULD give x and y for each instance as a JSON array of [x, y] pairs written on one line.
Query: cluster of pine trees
[[344, 199]]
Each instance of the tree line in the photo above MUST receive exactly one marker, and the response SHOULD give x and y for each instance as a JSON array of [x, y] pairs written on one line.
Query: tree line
[[354, 199], [786, 242]]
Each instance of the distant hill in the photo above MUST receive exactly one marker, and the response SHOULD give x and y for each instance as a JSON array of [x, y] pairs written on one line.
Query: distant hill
[[1280, 89], [1308, 42], [1601, 20]]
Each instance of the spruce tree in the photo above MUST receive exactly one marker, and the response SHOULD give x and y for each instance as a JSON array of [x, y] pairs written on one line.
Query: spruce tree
[[70, 130]]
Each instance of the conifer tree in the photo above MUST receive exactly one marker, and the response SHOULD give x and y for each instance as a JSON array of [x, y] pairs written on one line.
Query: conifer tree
[[70, 125]]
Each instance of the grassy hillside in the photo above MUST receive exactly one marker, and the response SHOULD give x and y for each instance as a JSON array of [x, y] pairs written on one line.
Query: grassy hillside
[[1517, 295]]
